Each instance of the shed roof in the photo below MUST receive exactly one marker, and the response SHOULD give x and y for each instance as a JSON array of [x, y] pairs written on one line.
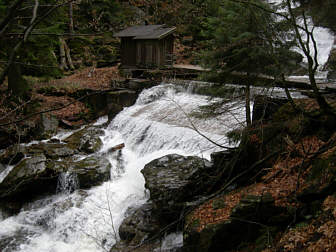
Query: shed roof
[[146, 32]]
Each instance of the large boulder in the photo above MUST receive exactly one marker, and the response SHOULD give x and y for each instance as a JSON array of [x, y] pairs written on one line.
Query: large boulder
[[173, 180], [47, 127], [331, 64], [50, 150], [12, 155], [91, 171], [141, 224], [2, 168], [86, 140], [117, 100], [27, 177]]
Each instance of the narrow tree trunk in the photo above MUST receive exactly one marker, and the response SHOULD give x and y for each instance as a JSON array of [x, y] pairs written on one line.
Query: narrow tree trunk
[[16, 83], [68, 56], [71, 22], [247, 104], [63, 65]]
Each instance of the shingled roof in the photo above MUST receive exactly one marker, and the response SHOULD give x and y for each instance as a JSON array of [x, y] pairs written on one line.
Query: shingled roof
[[146, 32]]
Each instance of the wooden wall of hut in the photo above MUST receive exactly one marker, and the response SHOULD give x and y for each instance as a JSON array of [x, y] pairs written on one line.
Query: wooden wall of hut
[[149, 53]]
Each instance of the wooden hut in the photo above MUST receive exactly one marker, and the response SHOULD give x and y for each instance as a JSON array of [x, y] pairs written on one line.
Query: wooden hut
[[147, 46]]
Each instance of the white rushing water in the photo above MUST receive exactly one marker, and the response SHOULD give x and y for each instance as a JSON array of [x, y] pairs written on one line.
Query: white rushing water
[[88, 220], [324, 40]]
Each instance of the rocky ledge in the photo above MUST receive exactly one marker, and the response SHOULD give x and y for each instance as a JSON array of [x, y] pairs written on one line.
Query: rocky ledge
[[28, 171]]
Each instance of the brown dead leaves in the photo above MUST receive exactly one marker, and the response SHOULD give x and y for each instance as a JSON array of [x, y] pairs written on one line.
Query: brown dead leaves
[[283, 181]]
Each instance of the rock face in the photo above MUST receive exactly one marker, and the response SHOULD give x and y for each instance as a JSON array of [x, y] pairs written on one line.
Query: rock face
[[37, 167], [26, 176], [12, 155], [50, 150], [117, 100], [139, 225], [48, 126], [173, 179], [86, 140], [111, 102], [91, 171], [331, 64]]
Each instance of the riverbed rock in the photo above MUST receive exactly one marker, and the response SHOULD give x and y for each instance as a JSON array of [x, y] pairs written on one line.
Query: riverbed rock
[[2, 168], [47, 126], [86, 140], [173, 180], [12, 155], [139, 226], [117, 100], [13, 242], [91, 171], [26, 177], [331, 64], [50, 150]]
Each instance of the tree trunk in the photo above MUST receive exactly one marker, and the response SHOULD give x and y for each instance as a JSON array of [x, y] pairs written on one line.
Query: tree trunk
[[68, 56], [63, 65], [71, 22], [16, 83]]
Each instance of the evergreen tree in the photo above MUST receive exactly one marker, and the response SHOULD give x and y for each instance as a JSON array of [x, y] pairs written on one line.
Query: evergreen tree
[[245, 38]]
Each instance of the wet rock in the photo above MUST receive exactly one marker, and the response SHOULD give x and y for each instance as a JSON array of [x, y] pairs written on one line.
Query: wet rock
[[331, 64], [86, 140], [43, 212], [48, 126], [139, 84], [91, 171], [24, 176], [117, 100], [51, 150], [2, 168], [173, 180], [12, 155], [139, 226], [13, 242]]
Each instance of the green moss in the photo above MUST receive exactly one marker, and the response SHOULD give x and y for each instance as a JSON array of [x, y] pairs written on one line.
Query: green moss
[[265, 239], [218, 204]]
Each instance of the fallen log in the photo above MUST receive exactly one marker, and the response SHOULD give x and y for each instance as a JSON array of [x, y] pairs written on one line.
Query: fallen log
[[115, 148]]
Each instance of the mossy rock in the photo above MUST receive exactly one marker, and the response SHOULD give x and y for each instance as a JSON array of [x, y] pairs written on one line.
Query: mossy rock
[[86, 140], [91, 171]]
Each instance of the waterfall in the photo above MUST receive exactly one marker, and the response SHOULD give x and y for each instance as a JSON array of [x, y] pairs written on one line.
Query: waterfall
[[324, 41], [161, 122], [67, 183]]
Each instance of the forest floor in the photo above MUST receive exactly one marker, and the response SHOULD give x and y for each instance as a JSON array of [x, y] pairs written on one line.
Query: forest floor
[[60, 92], [301, 179]]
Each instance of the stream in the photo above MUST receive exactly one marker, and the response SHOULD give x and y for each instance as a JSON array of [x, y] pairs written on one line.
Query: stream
[[88, 220], [160, 123]]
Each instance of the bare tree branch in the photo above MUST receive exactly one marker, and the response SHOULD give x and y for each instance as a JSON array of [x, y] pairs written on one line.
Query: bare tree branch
[[31, 21]]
